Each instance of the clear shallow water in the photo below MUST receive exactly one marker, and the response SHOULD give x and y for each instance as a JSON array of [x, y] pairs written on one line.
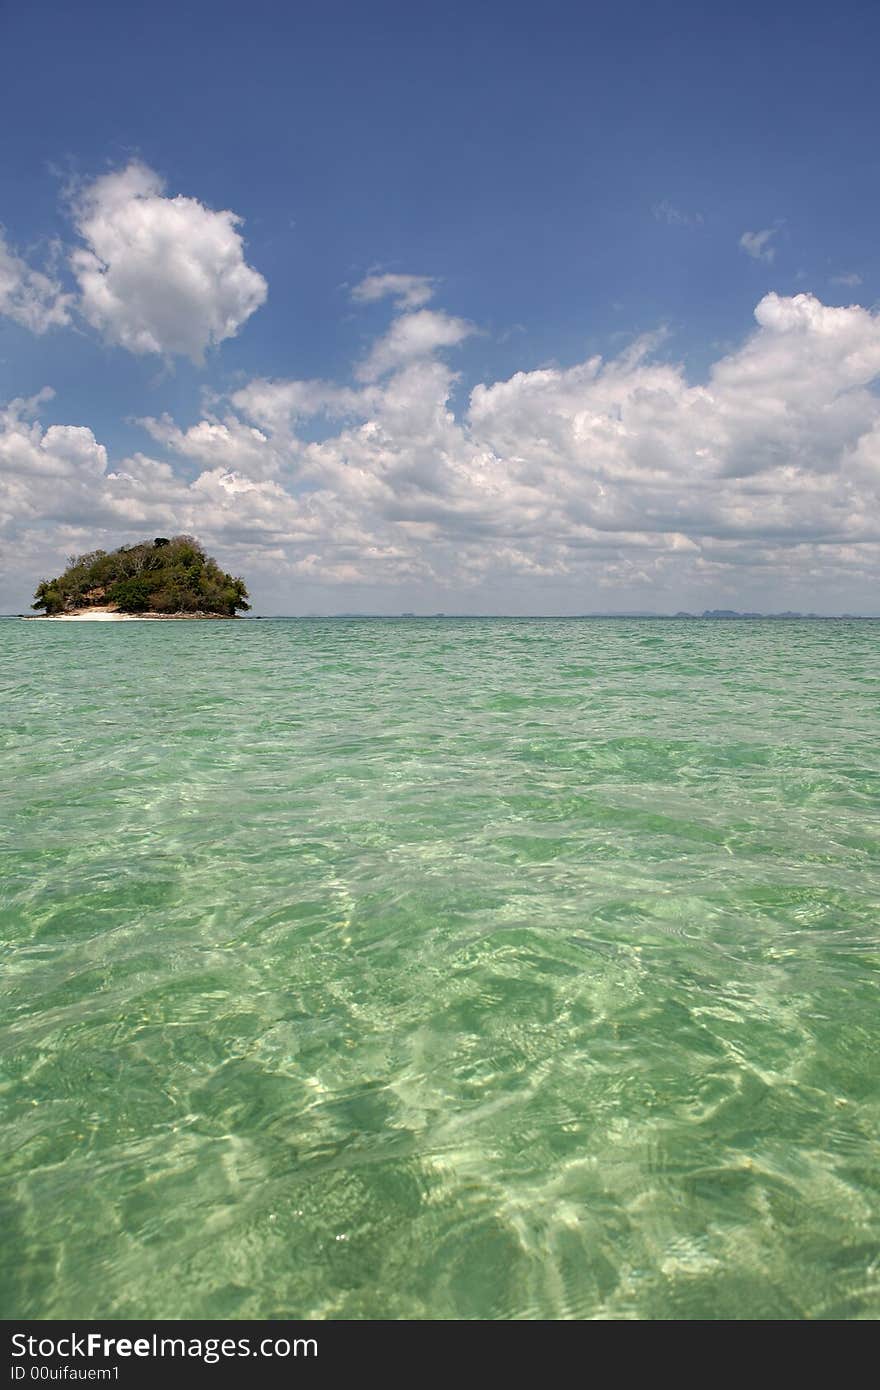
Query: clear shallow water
[[461, 969]]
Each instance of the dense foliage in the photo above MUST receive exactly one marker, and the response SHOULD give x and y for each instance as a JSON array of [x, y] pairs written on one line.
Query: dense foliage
[[159, 576]]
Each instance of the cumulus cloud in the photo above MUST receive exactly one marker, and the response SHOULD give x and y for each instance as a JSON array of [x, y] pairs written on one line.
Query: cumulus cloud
[[276, 405], [411, 336], [61, 451], [612, 482], [411, 291], [160, 274], [757, 245], [31, 297], [226, 443]]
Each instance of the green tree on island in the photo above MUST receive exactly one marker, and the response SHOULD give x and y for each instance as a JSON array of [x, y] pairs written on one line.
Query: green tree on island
[[159, 576]]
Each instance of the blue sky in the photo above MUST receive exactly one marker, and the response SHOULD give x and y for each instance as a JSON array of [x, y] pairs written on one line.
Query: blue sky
[[570, 178]]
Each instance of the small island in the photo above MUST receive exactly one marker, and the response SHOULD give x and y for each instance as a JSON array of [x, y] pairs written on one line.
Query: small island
[[163, 578]]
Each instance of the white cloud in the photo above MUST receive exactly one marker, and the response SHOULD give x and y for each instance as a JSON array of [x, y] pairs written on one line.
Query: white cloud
[[850, 279], [757, 244], [32, 298], [411, 336], [61, 451], [675, 217], [227, 443], [410, 291], [610, 483], [277, 405], [158, 274]]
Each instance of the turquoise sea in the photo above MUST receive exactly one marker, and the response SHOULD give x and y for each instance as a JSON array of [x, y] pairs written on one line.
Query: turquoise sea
[[494, 968]]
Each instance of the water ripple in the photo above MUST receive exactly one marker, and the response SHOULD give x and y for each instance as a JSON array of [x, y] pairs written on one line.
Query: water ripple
[[446, 969]]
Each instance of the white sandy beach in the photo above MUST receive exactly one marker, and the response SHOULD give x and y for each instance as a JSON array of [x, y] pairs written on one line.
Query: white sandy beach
[[108, 615], [95, 615]]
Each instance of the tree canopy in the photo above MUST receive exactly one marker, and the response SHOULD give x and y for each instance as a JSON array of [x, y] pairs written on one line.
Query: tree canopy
[[165, 575]]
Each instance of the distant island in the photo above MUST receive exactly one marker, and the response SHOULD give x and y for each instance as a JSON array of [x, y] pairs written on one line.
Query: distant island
[[163, 578], [732, 613]]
